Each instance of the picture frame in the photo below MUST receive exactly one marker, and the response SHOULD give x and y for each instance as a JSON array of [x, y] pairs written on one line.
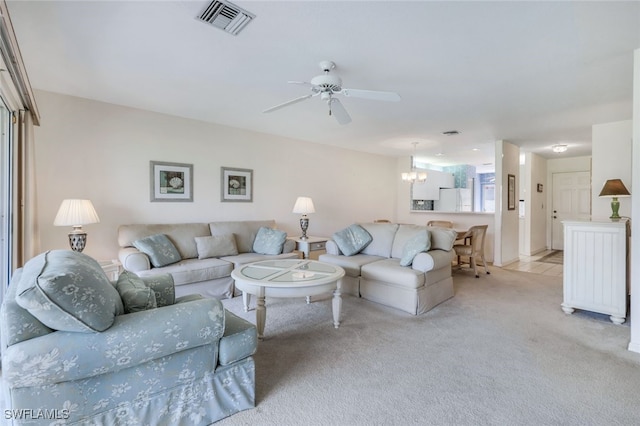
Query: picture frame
[[511, 192], [171, 182], [539, 187], [236, 185]]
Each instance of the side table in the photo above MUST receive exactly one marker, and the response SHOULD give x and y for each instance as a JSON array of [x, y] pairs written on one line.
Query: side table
[[112, 268], [312, 247]]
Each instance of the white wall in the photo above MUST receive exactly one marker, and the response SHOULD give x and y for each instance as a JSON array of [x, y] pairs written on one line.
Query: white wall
[[535, 221], [507, 224], [99, 151], [634, 309], [611, 150]]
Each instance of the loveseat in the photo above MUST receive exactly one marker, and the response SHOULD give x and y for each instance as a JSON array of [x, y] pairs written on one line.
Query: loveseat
[[376, 272], [206, 252], [72, 354]]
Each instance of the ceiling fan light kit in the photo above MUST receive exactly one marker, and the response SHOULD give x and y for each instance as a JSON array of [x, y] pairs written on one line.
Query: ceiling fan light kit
[[327, 86]]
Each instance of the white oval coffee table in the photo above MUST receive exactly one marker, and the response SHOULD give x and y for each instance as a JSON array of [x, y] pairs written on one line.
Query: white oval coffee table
[[288, 278]]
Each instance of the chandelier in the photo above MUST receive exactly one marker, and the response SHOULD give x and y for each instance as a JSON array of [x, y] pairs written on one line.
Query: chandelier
[[414, 175]]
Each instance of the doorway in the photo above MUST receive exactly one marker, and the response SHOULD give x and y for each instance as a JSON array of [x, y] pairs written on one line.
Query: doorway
[[571, 200]]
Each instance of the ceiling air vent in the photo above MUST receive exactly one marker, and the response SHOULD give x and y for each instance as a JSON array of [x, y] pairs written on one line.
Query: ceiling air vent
[[226, 16]]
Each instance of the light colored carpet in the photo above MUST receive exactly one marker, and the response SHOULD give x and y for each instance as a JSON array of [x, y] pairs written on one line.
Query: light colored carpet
[[501, 352]]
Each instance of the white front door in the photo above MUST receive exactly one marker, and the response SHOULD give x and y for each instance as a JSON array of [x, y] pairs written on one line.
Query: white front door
[[571, 201]]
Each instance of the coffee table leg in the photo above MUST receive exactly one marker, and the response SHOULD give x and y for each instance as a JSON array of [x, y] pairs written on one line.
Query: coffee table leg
[[261, 316], [337, 303], [246, 299]]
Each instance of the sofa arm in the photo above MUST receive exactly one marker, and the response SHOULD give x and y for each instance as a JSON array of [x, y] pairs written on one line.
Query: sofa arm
[[132, 340], [332, 248], [134, 260], [433, 259], [289, 246]]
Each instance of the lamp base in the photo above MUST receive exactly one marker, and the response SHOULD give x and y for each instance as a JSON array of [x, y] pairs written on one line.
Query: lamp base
[[615, 206], [304, 225], [77, 241]]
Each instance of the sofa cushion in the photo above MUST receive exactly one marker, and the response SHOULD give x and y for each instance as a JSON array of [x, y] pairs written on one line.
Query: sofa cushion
[[403, 235], [442, 238], [136, 296], [68, 291], [245, 231], [350, 264], [216, 246], [193, 270], [352, 239], [383, 235], [390, 271], [416, 244], [181, 234], [239, 341], [159, 248], [269, 241]]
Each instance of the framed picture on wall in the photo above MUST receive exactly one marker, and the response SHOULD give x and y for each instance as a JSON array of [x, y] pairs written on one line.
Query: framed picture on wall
[[171, 181], [511, 192], [236, 184]]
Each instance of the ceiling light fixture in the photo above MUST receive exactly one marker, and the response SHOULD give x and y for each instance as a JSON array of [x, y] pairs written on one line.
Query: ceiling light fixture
[[559, 148], [414, 176]]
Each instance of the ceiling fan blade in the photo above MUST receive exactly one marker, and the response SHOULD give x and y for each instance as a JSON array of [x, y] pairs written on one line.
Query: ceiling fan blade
[[337, 110], [304, 83], [291, 102], [371, 94]]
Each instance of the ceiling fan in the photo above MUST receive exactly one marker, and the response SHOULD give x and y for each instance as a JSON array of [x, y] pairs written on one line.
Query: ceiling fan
[[328, 85]]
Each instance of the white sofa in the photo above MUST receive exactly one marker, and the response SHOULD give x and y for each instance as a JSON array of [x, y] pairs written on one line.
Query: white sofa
[[376, 274], [211, 276]]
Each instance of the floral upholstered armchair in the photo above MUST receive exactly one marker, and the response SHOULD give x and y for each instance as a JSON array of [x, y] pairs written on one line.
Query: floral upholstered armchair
[[78, 348]]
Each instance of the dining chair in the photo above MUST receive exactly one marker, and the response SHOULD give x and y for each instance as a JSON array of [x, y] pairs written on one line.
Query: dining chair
[[440, 223], [472, 248]]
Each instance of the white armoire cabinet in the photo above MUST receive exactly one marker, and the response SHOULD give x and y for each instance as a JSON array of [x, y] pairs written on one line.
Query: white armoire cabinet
[[596, 267]]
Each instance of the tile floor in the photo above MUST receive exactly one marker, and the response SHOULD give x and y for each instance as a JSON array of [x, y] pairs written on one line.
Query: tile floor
[[530, 264]]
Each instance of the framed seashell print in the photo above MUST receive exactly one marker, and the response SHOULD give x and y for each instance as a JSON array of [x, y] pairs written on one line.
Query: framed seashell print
[[171, 181], [236, 184]]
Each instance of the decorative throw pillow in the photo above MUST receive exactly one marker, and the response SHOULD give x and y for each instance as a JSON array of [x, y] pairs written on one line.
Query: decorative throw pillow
[[352, 239], [68, 291], [416, 244], [136, 296], [216, 246], [159, 248], [269, 241], [443, 238]]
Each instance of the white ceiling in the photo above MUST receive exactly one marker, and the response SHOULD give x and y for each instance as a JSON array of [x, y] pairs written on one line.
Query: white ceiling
[[532, 73]]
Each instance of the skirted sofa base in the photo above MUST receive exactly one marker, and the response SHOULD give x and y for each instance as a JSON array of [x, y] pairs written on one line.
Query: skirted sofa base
[[375, 274]]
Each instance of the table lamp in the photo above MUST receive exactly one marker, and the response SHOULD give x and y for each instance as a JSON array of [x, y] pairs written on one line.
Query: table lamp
[[304, 206], [614, 188], [76, 213]]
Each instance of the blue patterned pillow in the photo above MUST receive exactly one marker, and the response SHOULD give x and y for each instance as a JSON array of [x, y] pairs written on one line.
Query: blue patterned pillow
[[416, 244], [352, 239], [269, 241], [67, 290], [136, 296], [159, 248]]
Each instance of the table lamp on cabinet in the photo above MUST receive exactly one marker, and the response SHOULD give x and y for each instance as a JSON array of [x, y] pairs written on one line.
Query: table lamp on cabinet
[[76, 213], [614, 188]]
